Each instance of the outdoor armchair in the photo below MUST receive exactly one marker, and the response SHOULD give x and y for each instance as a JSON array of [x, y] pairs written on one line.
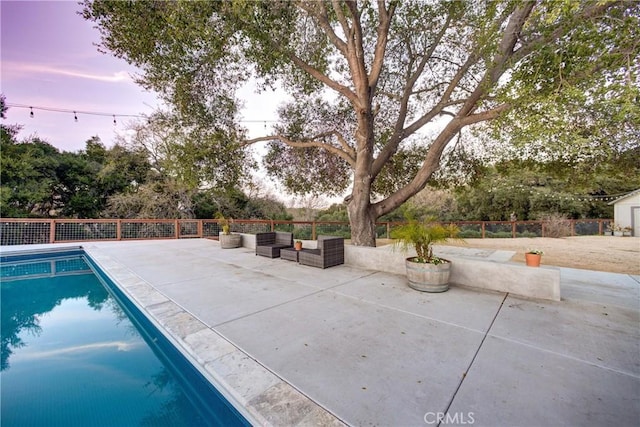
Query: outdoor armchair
[[269, 244], [330, 252]]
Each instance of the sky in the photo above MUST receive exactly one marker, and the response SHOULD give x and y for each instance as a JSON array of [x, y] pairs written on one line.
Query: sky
[[49, 59]]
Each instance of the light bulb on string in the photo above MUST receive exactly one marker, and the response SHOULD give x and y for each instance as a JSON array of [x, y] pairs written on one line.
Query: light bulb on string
[[75, 117], [31, 113], [114, 120]]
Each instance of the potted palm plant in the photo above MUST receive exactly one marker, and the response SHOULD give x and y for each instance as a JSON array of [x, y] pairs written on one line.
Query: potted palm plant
[[227, 239], [425, 272]]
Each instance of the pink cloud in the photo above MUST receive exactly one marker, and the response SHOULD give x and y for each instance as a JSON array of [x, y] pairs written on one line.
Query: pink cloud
[[19, 69]]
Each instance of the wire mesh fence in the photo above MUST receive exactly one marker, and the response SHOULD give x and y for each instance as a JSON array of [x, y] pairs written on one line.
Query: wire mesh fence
[[210, 229], [31, 232], [148, 230], [189, 228], [24, 231], [250, 227], [591, 227], [90, 230]]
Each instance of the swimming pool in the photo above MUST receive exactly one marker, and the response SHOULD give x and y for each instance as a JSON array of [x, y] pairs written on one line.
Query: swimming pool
[[76, 352]]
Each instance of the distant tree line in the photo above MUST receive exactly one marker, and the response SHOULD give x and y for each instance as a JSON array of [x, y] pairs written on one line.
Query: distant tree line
[[528, 190], [123, 181], [169, 170]]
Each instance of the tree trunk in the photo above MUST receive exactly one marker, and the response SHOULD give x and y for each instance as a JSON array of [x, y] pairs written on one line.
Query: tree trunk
[[362, 221], [362, 216]]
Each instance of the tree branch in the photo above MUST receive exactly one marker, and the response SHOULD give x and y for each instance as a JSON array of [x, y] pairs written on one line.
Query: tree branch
[[429, 166], [485, 115], [594, 10], [505, 52], [463, 117], [398, 132], [349, 156], [323, 21], [343, 90], [356, 57], [342, 19], [381, 42]]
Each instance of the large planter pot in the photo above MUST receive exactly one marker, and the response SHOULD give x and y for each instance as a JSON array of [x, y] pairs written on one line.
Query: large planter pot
[[426, 277], [533, 260], [230, 241]]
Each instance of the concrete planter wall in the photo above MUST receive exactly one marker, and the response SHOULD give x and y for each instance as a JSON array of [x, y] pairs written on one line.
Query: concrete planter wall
[[502, 276]]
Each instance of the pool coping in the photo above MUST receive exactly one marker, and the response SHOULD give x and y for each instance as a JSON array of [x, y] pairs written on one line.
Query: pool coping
[[265, 400]]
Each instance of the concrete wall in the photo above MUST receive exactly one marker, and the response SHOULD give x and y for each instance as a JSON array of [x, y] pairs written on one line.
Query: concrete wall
[[543, 282], [518, 279]]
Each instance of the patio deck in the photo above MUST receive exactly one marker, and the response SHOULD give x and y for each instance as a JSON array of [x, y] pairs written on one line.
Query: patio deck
[[297, 345]]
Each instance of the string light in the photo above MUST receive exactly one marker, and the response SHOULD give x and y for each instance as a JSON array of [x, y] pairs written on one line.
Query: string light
[[582, 198], [105, 114], [74, 112]]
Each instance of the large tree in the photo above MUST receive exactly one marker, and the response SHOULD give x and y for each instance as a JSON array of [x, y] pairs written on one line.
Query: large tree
[[381, 90]]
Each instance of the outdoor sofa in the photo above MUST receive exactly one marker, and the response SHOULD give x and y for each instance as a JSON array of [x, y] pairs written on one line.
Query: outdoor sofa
[[330, 252], [269, 244]]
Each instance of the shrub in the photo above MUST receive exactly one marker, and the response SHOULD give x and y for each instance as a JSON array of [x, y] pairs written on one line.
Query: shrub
[[498, 234], [527, 234], [556, 225], [470, 234]]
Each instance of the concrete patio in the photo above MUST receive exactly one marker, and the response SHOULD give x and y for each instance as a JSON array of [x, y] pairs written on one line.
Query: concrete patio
[[297, 345]]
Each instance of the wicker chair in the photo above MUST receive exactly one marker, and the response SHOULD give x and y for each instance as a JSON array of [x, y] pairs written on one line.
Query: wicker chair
[[330, 252], [269, 244]]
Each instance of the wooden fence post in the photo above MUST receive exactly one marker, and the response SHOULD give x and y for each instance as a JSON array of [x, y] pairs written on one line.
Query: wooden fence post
[[177, 230], [119, 229], [52, 231], [313, 230]]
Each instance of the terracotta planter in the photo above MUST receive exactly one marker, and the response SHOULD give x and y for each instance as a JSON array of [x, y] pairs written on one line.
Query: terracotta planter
[[426, 277], [297, 246], [230, 241], [533, 260]]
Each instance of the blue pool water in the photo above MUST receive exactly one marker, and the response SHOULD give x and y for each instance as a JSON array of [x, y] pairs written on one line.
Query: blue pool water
[[75, 352]]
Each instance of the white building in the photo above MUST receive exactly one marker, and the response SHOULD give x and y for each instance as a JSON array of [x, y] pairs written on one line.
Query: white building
[[626, 211]]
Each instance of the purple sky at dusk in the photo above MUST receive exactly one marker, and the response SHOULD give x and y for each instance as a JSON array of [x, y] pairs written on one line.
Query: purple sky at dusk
[[49, 59]]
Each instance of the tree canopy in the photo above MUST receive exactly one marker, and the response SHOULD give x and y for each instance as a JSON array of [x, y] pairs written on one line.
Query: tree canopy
[[382, 90], [148, 177]]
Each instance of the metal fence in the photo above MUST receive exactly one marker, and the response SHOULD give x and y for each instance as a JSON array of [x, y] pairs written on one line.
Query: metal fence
[[23, 231]]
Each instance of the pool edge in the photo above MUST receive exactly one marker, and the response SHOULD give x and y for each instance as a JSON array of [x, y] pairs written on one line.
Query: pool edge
[[256, 392]]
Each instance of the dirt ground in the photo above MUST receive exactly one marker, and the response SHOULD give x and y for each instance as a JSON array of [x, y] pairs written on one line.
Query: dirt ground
[[601, 253]]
